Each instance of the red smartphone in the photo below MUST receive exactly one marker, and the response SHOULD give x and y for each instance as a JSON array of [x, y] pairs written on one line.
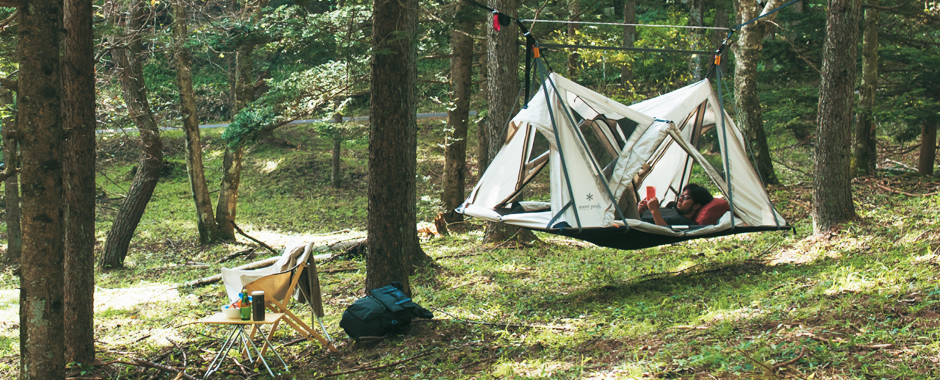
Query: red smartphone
[[650, 192]]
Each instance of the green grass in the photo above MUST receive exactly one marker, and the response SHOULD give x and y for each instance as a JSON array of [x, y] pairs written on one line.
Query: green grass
[[860, 303]]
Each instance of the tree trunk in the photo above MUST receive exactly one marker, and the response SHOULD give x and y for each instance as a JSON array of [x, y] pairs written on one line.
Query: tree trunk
[[866, 155], [574, 12], [227, 205], [721, 21], [502, 91], [79, 159], [698, 63], [11, 193], [832, 189], [42, 352], [226, 208], [629, 36], [337, 149], [455, 145], [747, 98], [130, 65], [928, 148], [209, 231], [393, 141]]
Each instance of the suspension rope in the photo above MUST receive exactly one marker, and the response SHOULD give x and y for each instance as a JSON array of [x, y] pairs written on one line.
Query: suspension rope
[[648, 50], [770, 12], [624, 24]]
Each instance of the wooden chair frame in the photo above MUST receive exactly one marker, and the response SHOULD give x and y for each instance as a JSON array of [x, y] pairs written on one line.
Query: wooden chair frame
[[273, 281]]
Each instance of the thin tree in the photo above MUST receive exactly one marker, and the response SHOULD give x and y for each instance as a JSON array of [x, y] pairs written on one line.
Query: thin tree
[[629, 37], [11, 191], [243, 93], [78, 105], [574, 15], [746, 97], [832, 188], [458, 117], [129, 62], [502, 50], [209, 231], [928, 147], [42, 354], [393, 142], [698, 63], [865, 156]]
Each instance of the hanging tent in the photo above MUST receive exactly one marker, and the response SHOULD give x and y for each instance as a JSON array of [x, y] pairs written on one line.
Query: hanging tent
[[599, 154]]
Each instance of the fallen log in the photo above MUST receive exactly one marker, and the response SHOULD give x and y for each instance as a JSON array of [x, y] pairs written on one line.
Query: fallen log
[[257, 264]]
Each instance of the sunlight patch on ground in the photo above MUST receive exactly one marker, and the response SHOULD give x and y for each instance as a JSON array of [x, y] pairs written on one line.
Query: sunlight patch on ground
[[532, 368], [127, 298], [269, 166], [743, 313], [931, 258], [625, 372], [849, 281], [9, 308], [9, 323]]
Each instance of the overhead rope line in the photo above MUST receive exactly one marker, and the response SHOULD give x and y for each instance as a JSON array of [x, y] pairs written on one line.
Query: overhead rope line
[[621, 48], [625, 24]]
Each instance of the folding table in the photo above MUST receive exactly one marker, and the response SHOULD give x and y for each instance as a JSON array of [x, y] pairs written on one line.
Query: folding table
[[238, 333]]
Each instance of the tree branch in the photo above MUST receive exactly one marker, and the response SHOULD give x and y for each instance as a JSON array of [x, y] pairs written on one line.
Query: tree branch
[[254, 240], [12, 3], [9, 84], [4, 23], [375, 368]]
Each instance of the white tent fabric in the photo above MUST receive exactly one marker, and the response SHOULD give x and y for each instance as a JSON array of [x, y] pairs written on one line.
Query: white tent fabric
[[651, 142]]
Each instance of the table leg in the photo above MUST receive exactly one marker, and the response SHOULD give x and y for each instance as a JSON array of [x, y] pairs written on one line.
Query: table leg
[[223, 352], [267, 343], [245, 335]]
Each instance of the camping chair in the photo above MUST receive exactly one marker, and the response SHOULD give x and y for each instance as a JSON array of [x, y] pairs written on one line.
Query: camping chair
[[278, 282]]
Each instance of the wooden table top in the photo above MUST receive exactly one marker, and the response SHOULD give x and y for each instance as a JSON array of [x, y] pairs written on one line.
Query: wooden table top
[[221, 319]]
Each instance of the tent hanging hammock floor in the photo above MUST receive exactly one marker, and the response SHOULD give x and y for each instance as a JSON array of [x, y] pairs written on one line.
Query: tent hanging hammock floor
[[600, 153]]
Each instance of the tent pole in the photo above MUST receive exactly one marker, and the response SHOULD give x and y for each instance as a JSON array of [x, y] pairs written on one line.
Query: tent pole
[[551, 115], [724, 136], [584, 145]]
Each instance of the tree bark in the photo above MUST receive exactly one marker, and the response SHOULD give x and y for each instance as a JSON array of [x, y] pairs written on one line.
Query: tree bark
[[392, 241], [747, 98], [79, 179], [42, 354], [11, 193], [866, 155], [832, 190], [629, 36], [928, 148], [227, 205], [209, 231], [502, 96], [455, 145], [337, 149], [129, 62]]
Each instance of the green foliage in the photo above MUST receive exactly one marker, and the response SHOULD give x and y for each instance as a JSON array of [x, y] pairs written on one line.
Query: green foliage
[[300, 94]]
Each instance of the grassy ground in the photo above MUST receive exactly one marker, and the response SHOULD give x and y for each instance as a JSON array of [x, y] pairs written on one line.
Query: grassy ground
[[863, 302]]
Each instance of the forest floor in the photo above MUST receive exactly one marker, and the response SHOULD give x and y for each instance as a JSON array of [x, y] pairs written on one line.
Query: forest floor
[[861, 302]]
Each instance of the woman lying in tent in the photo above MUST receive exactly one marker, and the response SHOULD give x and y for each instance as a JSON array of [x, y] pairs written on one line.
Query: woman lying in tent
[[692, 199]]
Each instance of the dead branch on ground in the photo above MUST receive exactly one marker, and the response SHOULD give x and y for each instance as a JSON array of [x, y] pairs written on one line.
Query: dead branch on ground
[[240, 232], [363, 369]]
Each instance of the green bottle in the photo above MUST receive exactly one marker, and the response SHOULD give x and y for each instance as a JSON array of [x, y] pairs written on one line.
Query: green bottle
[[245, 311]]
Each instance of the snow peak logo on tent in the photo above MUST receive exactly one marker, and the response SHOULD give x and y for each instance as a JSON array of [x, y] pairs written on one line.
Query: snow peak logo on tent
[[596, 206]]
